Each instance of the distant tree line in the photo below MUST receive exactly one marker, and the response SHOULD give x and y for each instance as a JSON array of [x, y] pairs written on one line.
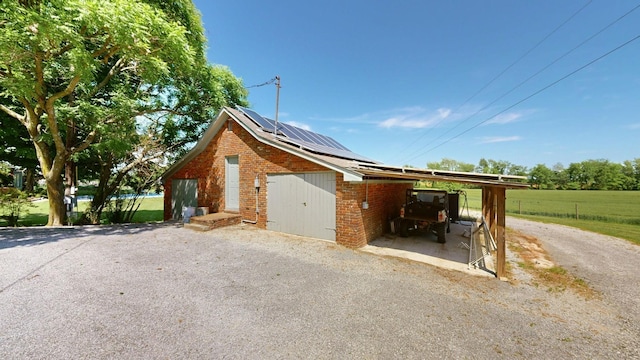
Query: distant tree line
[[588, 175], [600, 174]]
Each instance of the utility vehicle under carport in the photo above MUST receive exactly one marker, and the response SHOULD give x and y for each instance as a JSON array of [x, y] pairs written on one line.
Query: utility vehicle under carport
[[425, 210]]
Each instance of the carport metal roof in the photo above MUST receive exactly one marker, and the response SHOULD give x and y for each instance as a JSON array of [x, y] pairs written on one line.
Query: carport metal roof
[[386, 172]]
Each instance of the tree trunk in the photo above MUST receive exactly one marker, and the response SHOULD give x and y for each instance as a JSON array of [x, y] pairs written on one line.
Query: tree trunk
[[55, 192], [29, 181], [103, 190]]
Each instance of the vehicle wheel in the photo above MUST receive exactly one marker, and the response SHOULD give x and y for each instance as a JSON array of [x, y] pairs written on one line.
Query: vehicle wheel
[[404, 228], [440, 231]]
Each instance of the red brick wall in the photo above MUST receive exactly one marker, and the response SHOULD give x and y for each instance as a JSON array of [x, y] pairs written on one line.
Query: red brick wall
[[355, 227], [254, 158]]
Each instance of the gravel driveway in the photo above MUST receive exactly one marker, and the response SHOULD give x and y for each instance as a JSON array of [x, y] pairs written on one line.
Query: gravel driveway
[[160, 291], [610, 265]]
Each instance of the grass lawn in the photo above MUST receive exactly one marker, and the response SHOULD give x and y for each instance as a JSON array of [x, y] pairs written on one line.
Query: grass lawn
[[615, 213], [151, 209]]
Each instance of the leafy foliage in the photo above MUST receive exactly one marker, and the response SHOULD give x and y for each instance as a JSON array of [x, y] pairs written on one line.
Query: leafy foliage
[[5, 174], [598, 174], [13, 204], [107, 77], [588, 175], [451, 165], [500, 167]]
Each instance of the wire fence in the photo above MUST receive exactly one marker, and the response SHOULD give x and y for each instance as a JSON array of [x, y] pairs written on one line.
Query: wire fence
[[578, 211]]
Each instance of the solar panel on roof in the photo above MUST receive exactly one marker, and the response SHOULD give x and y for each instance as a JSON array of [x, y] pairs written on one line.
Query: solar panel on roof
[[259, 120], [294, 132], [325, 150], [302, 138]]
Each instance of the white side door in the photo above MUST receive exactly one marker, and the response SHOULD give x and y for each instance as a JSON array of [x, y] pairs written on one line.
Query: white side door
[[232, 184]]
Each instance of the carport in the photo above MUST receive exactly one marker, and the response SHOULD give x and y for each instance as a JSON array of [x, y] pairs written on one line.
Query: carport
[[494, 189]]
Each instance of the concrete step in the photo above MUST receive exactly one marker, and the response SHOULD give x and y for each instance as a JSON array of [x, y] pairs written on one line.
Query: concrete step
[[196, 227], [216, 220]]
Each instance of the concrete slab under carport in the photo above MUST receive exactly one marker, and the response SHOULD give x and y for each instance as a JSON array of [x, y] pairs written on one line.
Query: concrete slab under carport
[[423, 247]]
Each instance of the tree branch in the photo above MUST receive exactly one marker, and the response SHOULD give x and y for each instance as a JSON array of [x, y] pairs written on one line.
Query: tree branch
[[61, 149], [103, 48], [68, 90], [62, 50], [40, 85], [110, 54], [112, 72], [88, 140], [13, 114]]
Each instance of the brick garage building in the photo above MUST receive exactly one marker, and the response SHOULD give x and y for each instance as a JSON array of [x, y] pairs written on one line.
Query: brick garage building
[[296, 182]]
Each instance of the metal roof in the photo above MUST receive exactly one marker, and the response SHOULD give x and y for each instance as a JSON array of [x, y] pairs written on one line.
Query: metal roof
[[387, 172], [354, 167]]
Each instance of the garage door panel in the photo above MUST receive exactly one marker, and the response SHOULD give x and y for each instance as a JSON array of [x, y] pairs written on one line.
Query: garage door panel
[[302, 204], [320, 222], [276, 211]]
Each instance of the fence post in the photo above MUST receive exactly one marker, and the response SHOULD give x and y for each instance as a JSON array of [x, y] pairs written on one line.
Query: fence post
[[520, 207], [577, 214]]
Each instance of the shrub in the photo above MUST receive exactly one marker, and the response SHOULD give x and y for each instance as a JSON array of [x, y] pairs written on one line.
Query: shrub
[[13, 204]]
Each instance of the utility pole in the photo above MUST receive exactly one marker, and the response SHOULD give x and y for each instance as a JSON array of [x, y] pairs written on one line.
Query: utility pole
[[275, 130]]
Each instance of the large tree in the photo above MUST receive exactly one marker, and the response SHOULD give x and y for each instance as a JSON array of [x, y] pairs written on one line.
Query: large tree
[[450, 165], [541, 177], [83, 74], [500, 167]]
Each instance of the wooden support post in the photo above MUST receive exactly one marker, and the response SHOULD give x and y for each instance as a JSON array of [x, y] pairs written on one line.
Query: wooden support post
[[501, 231], [492, 211], [485, 202]]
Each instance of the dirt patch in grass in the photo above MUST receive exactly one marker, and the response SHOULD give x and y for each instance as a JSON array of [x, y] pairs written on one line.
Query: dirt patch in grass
[[545, 273]]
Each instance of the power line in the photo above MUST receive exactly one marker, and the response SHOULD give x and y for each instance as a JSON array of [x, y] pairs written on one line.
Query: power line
[[499, 76], [536, 92], [263, 84], [540, 71]]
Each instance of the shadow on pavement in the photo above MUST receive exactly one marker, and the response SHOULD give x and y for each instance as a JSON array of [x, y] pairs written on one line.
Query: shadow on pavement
[[37, 235]]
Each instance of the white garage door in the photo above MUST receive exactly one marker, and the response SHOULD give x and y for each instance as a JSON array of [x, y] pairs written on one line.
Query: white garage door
[[302, 204]]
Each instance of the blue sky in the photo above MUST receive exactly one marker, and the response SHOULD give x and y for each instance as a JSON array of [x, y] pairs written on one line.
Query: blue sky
[[409, 82]]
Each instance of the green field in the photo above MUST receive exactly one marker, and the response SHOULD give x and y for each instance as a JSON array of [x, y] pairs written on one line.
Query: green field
[[151, 209], [615, 213]]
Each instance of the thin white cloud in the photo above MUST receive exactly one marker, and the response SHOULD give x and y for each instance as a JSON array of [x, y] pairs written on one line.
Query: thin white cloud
[[412, 117], [300, 125], [338, 129], [416, 118], [365, 118], [498, 139], [505, 118]]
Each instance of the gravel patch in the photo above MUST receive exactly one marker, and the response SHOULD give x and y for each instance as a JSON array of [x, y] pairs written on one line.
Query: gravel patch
[[608, 264], [161, 291]]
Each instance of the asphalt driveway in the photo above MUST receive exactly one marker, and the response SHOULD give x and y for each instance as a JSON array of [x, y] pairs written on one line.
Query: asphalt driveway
[[161, 291]]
